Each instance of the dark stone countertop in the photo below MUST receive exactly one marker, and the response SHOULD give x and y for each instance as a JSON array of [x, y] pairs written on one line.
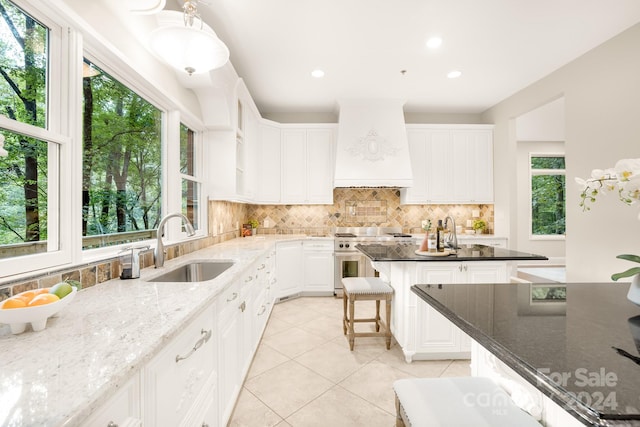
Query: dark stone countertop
[[559, 337], [407, 252]]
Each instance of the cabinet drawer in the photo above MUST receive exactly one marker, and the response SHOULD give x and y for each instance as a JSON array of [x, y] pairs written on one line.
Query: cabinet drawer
[[122, 409], [174, 379], [230, 298]]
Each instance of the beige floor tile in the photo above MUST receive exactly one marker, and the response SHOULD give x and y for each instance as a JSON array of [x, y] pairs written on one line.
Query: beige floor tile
[[374, 383], [296, 313], [251, 412], [340, 408], [458, 368], [332, 361], [266, 358], [324, 326], [287, 387], [275, 326], [293, 342], [418, 368], [368, 346]]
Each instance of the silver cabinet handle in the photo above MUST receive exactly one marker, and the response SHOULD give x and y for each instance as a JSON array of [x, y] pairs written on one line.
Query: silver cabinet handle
[[234, 296], [203, 339], [112, 424], [243, 306], [262, 266], [264, 308]]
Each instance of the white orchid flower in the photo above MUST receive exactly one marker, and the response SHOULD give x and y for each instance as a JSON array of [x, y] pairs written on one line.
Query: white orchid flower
[[626, 169]]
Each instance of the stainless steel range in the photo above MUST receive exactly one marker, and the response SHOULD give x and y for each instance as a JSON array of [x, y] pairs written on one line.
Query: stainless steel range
[[350, 262]]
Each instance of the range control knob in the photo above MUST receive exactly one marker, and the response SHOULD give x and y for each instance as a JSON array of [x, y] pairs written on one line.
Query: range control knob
[[346, 245], [341, 245]]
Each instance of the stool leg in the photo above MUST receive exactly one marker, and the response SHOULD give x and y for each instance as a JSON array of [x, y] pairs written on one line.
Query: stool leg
[[351, 322], [377, 315], [399, 422], [388, 317], [344, 316]]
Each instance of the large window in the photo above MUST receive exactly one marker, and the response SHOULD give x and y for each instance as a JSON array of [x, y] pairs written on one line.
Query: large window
[[28, 177], [547, 194], [121, 171]]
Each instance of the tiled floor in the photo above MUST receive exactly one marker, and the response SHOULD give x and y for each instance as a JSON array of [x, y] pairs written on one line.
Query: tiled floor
[[303, 373]]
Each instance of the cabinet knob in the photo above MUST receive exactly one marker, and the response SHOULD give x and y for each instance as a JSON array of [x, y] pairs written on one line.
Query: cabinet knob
[[112, 424], [243, 306], [205, 425]]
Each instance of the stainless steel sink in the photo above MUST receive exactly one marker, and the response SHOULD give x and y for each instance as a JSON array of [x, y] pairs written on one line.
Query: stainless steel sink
[[199, 271]]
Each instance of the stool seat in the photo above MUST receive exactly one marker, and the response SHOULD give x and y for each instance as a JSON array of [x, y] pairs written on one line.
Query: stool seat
[[366, 288], [457, 402]]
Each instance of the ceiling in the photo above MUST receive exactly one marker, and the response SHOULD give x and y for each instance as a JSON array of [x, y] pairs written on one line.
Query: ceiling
[[500, 46]]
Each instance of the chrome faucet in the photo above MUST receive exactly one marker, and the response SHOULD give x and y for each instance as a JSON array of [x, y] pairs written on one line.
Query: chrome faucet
[[451, 239], [160, 252]]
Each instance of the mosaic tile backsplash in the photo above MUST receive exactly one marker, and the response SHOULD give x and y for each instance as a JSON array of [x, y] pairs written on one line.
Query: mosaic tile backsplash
[[353, 207], [361, 207]]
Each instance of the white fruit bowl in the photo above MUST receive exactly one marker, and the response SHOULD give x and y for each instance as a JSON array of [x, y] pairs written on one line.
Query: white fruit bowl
[[18, 318]]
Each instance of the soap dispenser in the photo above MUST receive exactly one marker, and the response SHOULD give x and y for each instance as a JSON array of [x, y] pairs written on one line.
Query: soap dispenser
[[130, 261]]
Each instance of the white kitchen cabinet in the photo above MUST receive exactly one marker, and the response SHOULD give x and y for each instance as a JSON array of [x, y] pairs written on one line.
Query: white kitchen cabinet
[[451, 164], [307, 165], [269, 165], [318, 267], [176, 379], [122, 409], [231, 306], [289, 269], [435, 333], [231, 153]]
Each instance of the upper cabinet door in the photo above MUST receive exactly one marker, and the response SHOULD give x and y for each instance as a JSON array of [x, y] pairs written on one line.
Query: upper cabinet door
[[450, 165], [269, 165], [294, 165], [320, 166]]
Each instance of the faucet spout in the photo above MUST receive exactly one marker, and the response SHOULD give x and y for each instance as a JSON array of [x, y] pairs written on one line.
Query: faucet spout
[[451, 239], [160, 252]]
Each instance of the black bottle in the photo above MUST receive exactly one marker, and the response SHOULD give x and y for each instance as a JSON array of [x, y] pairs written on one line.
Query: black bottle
[[440, 237]]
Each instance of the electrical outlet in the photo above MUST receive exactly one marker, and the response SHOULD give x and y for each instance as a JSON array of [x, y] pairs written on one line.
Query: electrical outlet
[[266, 223], [237, 225], [221, 229]]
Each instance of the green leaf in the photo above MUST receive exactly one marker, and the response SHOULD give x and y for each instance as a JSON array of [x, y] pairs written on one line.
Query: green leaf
[[630, 272], [634, 258]]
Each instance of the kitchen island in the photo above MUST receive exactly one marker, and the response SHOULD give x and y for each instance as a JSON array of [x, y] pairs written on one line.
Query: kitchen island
[[552, 345], [421, 331]]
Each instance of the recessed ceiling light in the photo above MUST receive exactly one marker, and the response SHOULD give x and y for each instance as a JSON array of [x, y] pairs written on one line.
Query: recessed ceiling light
[[434, 42], [454, 74], [317, 74]]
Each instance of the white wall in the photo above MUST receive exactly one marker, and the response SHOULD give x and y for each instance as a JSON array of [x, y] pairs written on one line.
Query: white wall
[[601, 91]]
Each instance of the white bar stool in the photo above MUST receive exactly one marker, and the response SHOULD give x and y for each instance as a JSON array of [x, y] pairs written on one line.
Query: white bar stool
[[362, 289], [456, 402]]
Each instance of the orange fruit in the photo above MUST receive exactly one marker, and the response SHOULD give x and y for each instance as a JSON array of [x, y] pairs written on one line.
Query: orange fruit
[[43, 299], [26, 296], [41, 291], [14, 303]]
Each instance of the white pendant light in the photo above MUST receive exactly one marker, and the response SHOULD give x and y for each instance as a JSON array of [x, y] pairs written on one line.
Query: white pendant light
[[187, 44]]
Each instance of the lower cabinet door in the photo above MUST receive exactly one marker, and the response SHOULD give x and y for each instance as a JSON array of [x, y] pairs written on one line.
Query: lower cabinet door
[[175, 378], [122, 409]]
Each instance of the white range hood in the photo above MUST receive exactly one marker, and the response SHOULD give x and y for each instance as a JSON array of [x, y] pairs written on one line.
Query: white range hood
[[372, 148]]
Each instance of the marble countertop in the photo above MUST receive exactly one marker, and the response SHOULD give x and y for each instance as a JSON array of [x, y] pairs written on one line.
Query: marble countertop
[[60, 375], [407, 252], [559, 337]]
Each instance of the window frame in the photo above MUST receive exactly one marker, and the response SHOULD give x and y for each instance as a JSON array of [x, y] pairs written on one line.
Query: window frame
[[540, 172], [74, 40], [60, 111], [197, 177]]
